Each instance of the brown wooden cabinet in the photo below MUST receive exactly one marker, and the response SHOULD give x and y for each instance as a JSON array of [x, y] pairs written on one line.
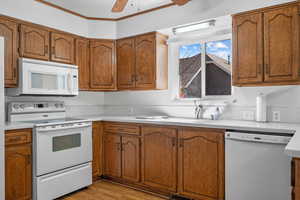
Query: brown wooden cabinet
[[62, 48], [126, 63], [248, 49], [83, 63], [281, 44], [201, 163], [295, 178], [159, 158], [112, 155], [97, 149], [34, 42], [266, 46], [131, 158], [122, 151], [18, 165], [143, 62], [103, 66], [9, 30]]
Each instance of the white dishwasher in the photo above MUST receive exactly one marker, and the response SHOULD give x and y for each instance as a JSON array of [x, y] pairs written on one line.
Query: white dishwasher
[[256, 167]]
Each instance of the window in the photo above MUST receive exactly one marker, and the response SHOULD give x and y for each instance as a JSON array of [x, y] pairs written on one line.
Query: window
[[205, 69]]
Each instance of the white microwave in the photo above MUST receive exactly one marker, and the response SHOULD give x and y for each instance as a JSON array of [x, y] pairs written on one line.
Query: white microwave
[[45, 78]]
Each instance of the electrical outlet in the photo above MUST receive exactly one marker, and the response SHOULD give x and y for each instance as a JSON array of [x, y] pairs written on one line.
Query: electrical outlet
[[276, 116], [248, 115]]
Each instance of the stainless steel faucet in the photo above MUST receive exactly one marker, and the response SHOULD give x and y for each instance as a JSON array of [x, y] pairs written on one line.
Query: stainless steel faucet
[[198, 110]]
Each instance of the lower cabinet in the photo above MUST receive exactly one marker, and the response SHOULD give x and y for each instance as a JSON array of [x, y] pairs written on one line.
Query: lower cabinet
[[112, 155], [295, 176], [122, 156], [97, 149], [201, 164], [131, 158], [159, 157], [18, 165], [188, 162]]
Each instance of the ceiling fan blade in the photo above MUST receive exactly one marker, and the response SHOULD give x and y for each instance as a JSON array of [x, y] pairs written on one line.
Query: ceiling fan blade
[[180, 2], [119, 5]]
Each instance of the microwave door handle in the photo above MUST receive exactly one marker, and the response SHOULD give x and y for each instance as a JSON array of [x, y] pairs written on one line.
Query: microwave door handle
[[69, 82]]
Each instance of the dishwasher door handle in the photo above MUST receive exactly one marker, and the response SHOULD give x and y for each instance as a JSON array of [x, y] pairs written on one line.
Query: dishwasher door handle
[[258, 138]]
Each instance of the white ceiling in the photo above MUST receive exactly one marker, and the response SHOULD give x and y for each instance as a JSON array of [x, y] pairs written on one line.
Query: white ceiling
[[102, 8]]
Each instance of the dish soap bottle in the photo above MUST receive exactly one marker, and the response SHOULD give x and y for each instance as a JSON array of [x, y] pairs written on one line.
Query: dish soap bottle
[[261, 108]]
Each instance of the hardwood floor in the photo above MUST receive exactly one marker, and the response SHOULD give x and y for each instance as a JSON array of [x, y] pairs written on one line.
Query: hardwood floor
[[103, 190]]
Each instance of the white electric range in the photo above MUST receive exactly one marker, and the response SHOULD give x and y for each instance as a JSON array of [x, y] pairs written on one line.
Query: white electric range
[[62, 148]]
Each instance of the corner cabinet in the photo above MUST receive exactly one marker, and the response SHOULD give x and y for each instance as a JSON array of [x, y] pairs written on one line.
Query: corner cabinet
[[97, 150], [266, 46], [126, 63], [143, 62], [34, 42], [62, 48], [83, 63], [201, 163], [9, 30], [18, 165], [103, 65]]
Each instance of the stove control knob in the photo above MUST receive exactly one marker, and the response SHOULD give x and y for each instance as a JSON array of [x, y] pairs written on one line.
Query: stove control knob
[[56, 105], [22, 106], [16, 106]]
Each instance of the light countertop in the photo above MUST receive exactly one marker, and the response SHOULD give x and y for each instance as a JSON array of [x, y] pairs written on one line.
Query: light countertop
[[292, 149]]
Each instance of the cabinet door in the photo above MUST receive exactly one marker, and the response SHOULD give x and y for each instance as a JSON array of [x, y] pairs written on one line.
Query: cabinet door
[[62, 48], [34, 43], [126, 63], [103, 68], [145, 61], [281, 27], [9, 30], [97, 149], [201, 164], [131, 158], [247, 49], [83, 63], [112, 155], [18, 168], [159, 153]]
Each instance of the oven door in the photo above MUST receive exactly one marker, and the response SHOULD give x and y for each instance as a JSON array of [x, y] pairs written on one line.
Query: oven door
[[60, 147], [42, 79]]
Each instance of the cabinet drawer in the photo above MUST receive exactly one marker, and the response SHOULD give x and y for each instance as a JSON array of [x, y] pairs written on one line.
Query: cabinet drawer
[[131, 129], [18, 136]]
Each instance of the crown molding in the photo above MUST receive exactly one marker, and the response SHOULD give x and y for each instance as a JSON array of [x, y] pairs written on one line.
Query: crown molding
[[104, 19]]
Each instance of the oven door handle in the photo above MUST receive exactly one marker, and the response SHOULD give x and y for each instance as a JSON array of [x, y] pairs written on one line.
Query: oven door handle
[[63, 172], [54, 128]]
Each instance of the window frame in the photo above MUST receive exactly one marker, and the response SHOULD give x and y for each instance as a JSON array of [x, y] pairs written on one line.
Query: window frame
[[203, 71]]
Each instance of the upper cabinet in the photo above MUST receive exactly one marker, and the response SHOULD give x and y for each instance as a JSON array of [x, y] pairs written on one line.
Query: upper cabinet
[[83, 63], [143, 62], [103, 66], [266, 46], [9, 30], [34, 42], [126, 63], [281, 31], [248, 48], [62, 48]]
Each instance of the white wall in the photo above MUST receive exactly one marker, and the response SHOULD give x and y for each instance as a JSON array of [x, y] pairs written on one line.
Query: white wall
[[33, 11], [194, 11], [284, 99], [102, 29]]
